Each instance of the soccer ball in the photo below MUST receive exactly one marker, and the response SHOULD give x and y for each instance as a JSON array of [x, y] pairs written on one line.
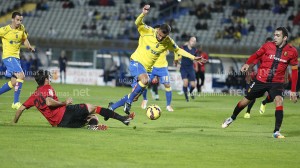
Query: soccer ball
[[153, 112]]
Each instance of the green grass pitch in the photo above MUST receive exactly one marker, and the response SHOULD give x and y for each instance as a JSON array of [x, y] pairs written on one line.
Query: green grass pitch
[[191, 136]]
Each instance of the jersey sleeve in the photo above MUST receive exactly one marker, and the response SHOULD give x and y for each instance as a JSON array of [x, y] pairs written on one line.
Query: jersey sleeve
[[25, 34], [29, 102], [257, 55], [3, 31], [141, 26], [294, 60]]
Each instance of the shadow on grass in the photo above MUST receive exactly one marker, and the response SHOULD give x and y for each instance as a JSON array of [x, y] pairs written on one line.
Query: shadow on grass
[[294, 133]]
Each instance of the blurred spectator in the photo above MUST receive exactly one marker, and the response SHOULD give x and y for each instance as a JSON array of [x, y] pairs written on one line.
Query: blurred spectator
[[84, 29], [68, 4], [251, 27], [42, 5], [52, 32], [62, 61]]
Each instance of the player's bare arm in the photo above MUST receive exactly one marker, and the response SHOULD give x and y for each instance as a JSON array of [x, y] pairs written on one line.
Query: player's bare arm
[[19, 113], [293, 94], [27, 45], [53, 103]]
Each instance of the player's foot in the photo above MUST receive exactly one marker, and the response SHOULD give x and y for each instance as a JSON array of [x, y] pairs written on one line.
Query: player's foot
[[278, 135], [16, 106], [100, 127], [127, 107], [156, 97], [227, 122], [262, 108], [193, 97], [187, 100], [170, 109], [129, 118], [144, 104], [247, 115]]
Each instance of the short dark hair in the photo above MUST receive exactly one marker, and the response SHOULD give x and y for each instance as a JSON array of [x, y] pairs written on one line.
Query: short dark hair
[[269, 39], [285, 32], [14, 14], [165, 28], [40, 76], [156, 26]]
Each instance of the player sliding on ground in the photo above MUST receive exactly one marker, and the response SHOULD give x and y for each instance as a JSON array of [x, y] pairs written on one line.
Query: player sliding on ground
[[64, 114], [275, 57]]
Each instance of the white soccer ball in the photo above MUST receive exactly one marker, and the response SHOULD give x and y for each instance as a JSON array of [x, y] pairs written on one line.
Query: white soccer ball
[[153, 112]]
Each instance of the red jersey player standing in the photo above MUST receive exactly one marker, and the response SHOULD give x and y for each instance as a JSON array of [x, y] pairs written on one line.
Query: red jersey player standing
[[64, 114], [274, 57], [200, 69]]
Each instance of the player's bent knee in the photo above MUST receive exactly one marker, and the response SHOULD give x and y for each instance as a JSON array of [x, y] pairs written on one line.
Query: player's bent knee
[[278, 100], [91, 108]]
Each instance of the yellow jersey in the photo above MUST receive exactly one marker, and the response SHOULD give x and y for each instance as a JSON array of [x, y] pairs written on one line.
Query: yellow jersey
[[149, 48], [12, 40], [162, 60]]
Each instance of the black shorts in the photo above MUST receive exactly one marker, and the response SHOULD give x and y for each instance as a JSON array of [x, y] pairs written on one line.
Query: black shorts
[[257, 89], [75, 116]]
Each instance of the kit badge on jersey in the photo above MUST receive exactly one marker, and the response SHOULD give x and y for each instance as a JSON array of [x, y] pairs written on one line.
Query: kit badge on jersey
[[285, 53]]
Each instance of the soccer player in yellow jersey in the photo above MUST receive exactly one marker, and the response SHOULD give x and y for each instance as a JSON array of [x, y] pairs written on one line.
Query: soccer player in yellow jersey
[[160, 70], [13, 35], [152, 43]]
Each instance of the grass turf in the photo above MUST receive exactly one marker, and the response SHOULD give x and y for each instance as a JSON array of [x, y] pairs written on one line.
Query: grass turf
[[191, 136]]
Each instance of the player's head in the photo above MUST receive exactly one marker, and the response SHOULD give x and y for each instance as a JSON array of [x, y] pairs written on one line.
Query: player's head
[[268, 39], [192, 41], [162, 32], [16, 19], [41, 76], [280, 36]]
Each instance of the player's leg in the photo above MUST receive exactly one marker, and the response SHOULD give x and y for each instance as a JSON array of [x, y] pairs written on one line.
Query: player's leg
[[249, 107], [10, 74], [202, 77], [60, 75], [192, 78], [276, 94], [145, 99], [197, 74], [257, 89], [262, 108], [107, 113], [65, 75]]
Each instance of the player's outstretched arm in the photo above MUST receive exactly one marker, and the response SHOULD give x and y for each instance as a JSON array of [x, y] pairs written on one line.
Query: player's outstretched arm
[[139, 19], [19, 113], [27, 45], [53, 103]]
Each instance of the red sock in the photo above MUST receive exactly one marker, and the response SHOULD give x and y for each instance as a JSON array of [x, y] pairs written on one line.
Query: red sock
[[98, 109]]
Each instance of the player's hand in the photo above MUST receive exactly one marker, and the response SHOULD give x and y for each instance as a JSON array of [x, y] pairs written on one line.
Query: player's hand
[[293, 96], [31, 49], [200, 59], [146, 9], [245, 68], [69, 101], [175, 62]]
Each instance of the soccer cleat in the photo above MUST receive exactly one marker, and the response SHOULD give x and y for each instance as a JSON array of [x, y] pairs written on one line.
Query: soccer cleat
[[170, 109], [262, 108], [16, 106], [193, 97], [129, 118], [109, 105], [247, 115], [144, 104], [278, 135], [227, 122], [100, 127], [127, 107], [157, 97]]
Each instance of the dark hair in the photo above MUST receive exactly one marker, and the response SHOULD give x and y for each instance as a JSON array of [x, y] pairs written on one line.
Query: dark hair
[[285, 32], [14, 14], [40, 76], [156, 26], [165, 28], [268, 39]]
